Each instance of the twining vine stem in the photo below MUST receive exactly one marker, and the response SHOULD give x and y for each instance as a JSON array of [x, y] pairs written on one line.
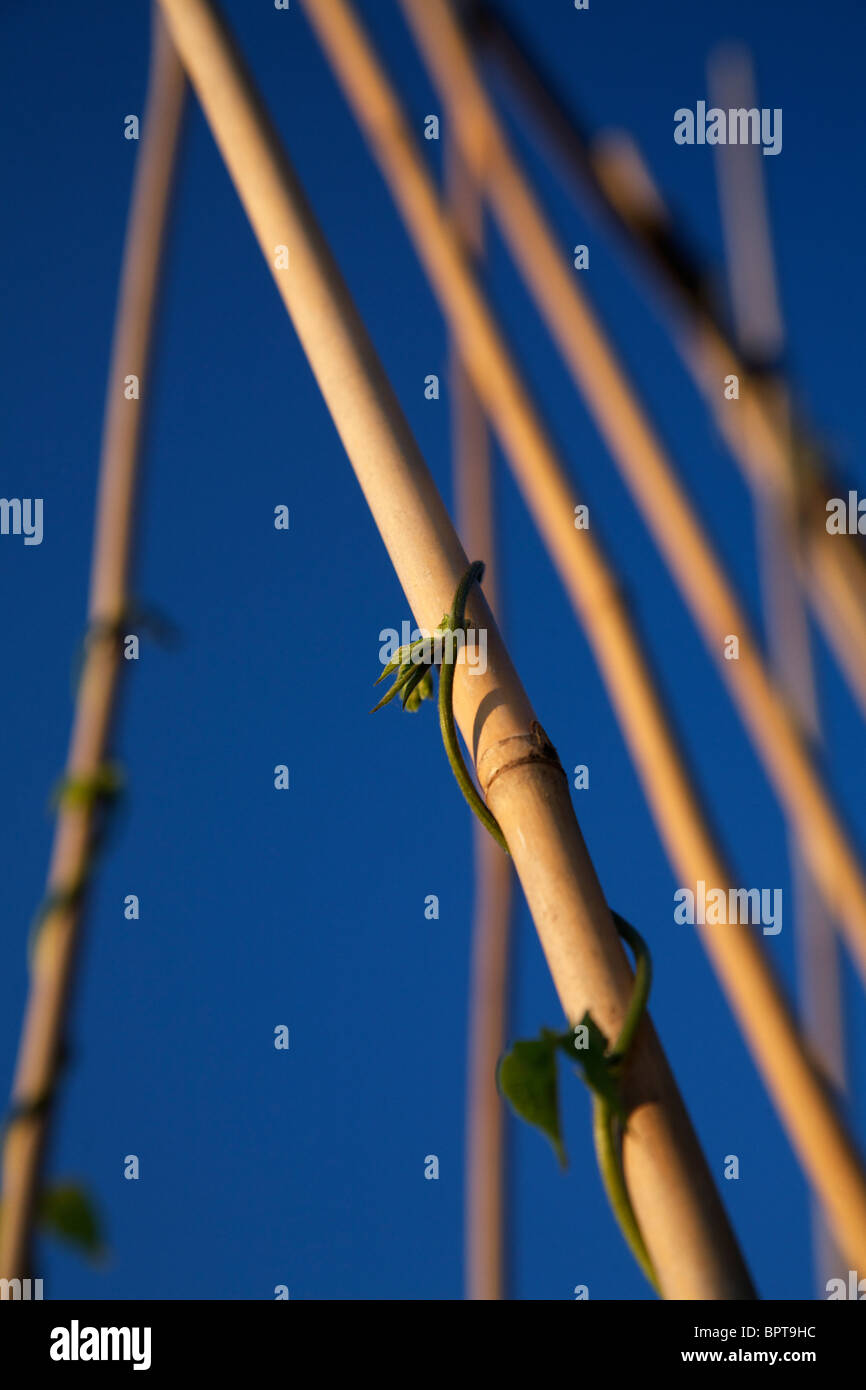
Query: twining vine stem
[[608, 1109]]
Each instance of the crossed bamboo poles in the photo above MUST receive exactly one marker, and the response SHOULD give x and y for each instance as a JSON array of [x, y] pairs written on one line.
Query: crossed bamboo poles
[[646, 470], [816, 1131], [673, 1194], [761, 431], [759, 329], [484, 1187], [55, 949], [675, 1200]]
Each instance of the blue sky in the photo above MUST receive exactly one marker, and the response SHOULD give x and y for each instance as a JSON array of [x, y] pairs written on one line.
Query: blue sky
[[306, 908]]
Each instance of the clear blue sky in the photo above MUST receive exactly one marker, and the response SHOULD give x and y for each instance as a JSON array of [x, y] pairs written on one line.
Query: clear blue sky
[[305, 908]]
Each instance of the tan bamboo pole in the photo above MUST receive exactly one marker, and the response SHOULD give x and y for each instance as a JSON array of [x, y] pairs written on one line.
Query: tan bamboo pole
[[839, 573], [646, 470], [683, 1222], [832, 568], [492, 910], [759, 328], [763, 435], [42, 1038], [486, 1208], [816, 1131]]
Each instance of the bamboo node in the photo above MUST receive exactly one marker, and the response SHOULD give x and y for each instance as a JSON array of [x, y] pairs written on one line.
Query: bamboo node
[[516, 751]]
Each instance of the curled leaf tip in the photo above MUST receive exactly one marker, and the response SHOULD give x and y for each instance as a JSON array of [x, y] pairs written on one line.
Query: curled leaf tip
[[412, 681]]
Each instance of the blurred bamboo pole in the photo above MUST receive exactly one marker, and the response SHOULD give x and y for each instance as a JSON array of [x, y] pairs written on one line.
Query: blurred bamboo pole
[[485, 1202], [646, 470], [681, 1216], [758, 324], [611, 171], [816, 1131], [42, 1039]]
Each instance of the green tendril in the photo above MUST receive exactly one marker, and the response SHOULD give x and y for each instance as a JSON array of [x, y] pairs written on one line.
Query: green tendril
[[527, 1074], [606, 1122], [456, 622]]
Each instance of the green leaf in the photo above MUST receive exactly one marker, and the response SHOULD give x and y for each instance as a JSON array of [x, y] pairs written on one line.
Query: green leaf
[[400, 681], [67, 1212], [414, 682], [527, 1078], [410, 678], [598, 1074], [388, 670], [424, 691]]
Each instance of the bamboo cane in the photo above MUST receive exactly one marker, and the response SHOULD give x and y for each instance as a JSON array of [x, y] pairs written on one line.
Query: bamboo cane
[[816, 1131], [485, 1111], [683, 1222], [760, 333], [40, 1052], [832, 569], [647, 472]]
